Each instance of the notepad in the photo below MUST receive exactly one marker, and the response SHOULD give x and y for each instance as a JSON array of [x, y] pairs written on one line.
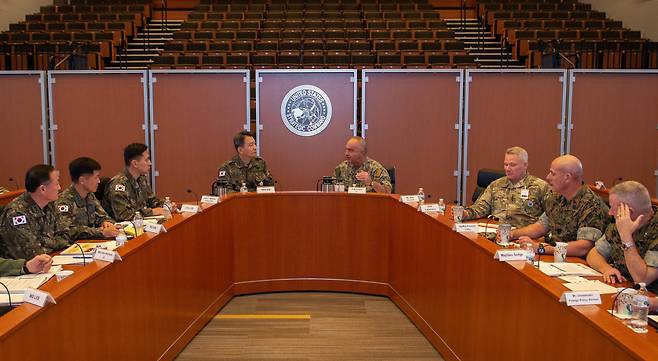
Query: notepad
[[89, 248], [595, 285], [18, 284], [566, 269]]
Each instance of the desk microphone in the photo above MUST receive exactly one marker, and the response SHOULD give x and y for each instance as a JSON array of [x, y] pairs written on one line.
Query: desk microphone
[[82, 252], [489, 219], [15, 182], [615, 300], [195, 196], [8, 293]]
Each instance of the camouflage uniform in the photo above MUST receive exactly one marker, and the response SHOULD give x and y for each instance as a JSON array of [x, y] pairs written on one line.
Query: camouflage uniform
[[646, 241], [11, 267], [585, 216], [504, 200], [3, 190], [253, 174], [346, 174], [125, 195], [28, 230], [82, 217]]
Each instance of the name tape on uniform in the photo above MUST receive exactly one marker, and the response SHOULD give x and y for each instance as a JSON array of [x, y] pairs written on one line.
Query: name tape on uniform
[[504, 255], [581, 298], [154, 228], [209, 199], [356, 190], [37, 297], [189, 208], [262, 190], [106, 255]]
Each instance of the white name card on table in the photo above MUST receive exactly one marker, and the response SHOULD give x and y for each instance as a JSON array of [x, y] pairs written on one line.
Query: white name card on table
[[356, 190], [154, 228], [581, 298], [263, 190], [105, 255], [466, 227], [410, 199], [430, 208], [37, 298], [189, 208], [209, 199], [505, 255]]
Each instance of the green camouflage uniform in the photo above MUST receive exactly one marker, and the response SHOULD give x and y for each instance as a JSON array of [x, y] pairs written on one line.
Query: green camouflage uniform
[[11, 267], [346, 174], [253, 174], [28, 230], [504, 200], [82, 217], [646, 241], [585, 216], [125, 195], [3, 190]]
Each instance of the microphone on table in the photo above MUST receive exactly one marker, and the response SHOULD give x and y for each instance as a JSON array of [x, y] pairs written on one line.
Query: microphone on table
[[15, 182], [8, 293], [486, 225], [82, 253], [195, 196], [615, 300]]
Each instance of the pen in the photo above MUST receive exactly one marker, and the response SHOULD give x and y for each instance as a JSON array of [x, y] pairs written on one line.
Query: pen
[[560, 269]]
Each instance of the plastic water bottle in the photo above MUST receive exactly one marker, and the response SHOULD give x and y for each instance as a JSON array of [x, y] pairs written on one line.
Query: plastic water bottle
[[421, 197], [529, 253], [243, 188], [121, 238], [167, 208], [138, 223], [442, 206], [640, 310]]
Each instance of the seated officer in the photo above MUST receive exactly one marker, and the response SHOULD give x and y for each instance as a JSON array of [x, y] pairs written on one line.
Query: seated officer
[[30, 224], [357, 169], [629, 248], [572, 212], [129, 191], [79, 209], [517, 199], [17, 267], [245, 167]]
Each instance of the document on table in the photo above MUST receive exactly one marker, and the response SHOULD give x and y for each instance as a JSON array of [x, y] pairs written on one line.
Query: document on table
[[594, 285], [18, 284], [89, 248], [74, 259], [566, 269], [487, 228]]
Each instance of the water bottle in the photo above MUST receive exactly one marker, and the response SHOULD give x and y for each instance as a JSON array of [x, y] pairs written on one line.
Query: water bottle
[[167, 208], [442, 206], [243, 188], [421, 197], [138, 223], [121, 238], [640, 310], [529, 253]]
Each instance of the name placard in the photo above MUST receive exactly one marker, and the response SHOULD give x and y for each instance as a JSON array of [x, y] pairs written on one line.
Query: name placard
[[356, 190], [504, 255], [430, 208], [264, 190], [37, 298], [581, 298], [409, 199], [466, 227], [154, 228], [209, 199], [106, 256], [189, 208]]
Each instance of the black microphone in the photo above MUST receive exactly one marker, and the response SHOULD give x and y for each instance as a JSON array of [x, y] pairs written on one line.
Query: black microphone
[[15, 182], [486, 225], [8, 293], [82, 252], [195, 196], [615, 300]]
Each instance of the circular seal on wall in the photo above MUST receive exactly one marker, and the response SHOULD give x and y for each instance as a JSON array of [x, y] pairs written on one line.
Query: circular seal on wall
[[306, 110]]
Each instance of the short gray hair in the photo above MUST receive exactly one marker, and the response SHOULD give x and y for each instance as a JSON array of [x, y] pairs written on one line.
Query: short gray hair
[[633, 193], [518, 151], [362, 143]]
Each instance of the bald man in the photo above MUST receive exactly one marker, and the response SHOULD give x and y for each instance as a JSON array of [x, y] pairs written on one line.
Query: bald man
[[358, 169], [572, 212]]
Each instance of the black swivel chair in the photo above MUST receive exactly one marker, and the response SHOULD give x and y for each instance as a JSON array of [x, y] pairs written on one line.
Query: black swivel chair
[[485, 177], [391, 173], [100, 192]]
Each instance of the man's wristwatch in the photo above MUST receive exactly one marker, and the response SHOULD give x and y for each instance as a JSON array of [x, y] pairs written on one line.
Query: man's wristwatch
[[626, 246], [24, 269]]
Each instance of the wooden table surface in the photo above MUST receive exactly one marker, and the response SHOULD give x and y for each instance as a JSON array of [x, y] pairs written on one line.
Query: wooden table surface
[[470, 306]]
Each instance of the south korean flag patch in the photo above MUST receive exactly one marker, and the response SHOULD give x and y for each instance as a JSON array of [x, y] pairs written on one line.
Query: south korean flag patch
[[222, 173], [63, 208], [19, 220], [120, 188]]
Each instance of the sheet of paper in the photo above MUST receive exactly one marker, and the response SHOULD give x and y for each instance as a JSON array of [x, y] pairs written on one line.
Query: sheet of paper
[[566, 269], [591, 286], [63, 260], [573, 279]]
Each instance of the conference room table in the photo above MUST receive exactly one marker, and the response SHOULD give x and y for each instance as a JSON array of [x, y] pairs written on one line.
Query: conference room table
[[469, 305]]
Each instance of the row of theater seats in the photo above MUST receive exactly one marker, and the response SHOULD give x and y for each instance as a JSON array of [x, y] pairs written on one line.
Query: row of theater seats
[[313, 45], [328, 34], [330, 6]]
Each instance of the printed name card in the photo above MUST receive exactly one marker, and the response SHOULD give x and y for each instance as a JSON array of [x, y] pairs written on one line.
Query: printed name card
[[409, 199], [154, 228], [356, 190], [209, 199], [189, 208], [466, 227], [504, 255], [430, 208], [37, 298], [261, 190], [581, 298], [106, 256]]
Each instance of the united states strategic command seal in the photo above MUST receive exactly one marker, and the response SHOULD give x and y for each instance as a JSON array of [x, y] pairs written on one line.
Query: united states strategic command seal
[[306, 110]]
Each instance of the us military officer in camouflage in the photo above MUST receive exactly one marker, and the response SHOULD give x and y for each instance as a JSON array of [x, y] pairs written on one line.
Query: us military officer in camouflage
[[30, 223], [573, 213], [129, 191], [358, 169], [17, 267], [517, 199], [79, 209], [629, 248], [245, 166]]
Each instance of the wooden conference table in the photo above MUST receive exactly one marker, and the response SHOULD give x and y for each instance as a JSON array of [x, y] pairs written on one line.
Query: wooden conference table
[[468, 305]]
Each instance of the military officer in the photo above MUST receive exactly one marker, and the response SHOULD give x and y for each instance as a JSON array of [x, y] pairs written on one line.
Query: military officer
[[517, 199], [30, 224], [245, 167], [358, 169], [80, 211]]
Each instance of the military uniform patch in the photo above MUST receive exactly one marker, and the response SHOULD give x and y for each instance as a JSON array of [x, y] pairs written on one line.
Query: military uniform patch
[[120, 188], [222, 173], [63, 208], [19, 220]]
